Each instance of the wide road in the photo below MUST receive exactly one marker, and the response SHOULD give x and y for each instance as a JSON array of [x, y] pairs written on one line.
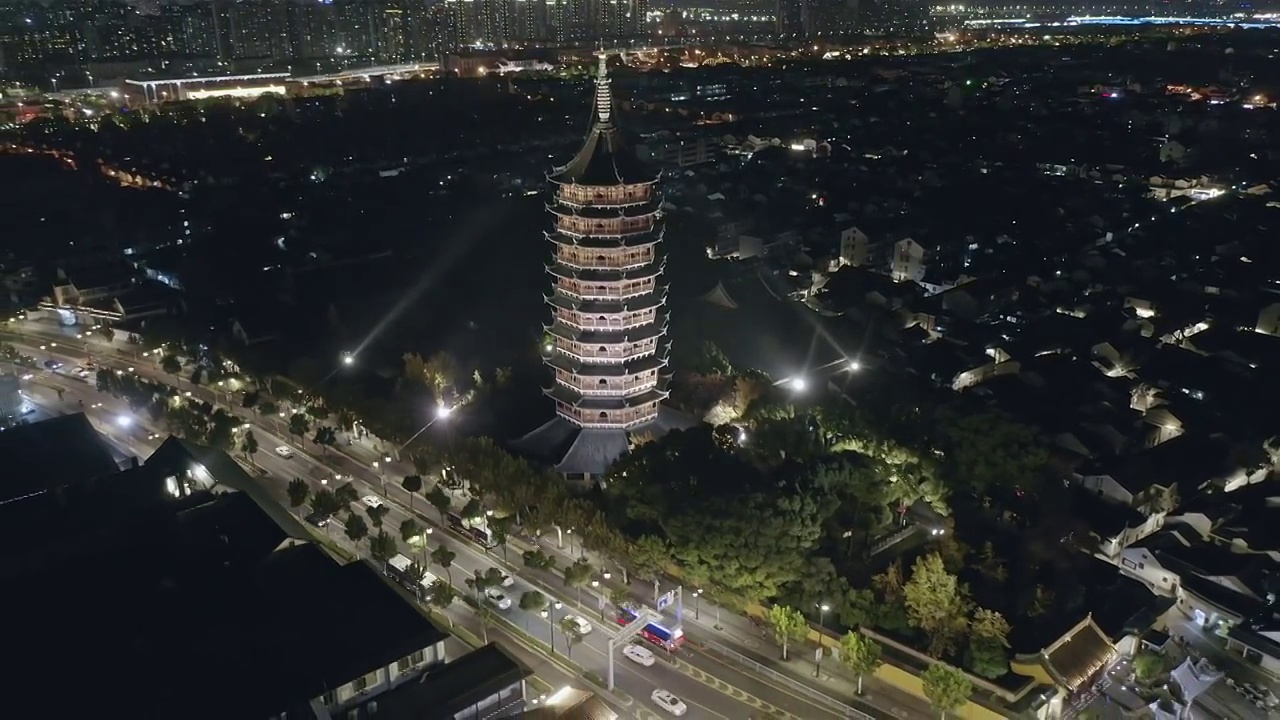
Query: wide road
[[704, 698]]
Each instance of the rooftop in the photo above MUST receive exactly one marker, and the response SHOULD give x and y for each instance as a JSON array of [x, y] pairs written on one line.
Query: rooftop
[[204, 602], [449, 690], [52, 453]]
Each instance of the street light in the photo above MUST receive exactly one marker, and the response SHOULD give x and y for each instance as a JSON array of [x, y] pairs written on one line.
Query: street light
[[854, 366], [696, 594], [595, 584], [798, 384], [817, 658]]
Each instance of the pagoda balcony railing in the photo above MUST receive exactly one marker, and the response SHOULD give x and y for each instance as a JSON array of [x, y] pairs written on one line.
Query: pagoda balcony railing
[[611, 354], [574, 226], [591, 387], [586, 259], [606, 322], [619, 196], [606, 291], [609, 419]]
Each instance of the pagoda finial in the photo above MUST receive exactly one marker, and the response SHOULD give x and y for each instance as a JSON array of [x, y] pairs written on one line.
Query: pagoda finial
[[604, 97]]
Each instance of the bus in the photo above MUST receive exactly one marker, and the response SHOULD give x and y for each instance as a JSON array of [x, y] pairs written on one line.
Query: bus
[[667, 638], [473, 531], [397, 568]]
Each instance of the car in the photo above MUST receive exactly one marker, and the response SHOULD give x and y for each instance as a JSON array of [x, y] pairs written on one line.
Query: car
[[52, 364], [583, 626], [669, 702], [497, 599], [318, 519], [372, 501], [507, 580], [639, 655], [285, 452]]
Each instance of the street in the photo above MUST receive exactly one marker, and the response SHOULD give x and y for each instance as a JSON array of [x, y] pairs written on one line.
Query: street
[[705, 697]]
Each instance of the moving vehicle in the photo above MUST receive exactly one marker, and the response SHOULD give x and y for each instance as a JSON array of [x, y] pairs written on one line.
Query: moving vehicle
[[507, 580], [372, 501], [285, 452], [473, 530], [318, 519], [583, 626], [399, 567], [669, 702], [497, 599], [639, 655], [667, 638]]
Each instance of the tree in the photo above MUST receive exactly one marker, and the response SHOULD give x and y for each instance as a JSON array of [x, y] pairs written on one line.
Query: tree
[[298, 491], [383, 546], [572, 634], [299, 425], [472, 509], [377, 513], [444, 557], [538, 560], [412, 484], [991, 452], [268, 408], [648, 557], [441, 595], [947, 688], [532, 602], [478, 583], [485, 614], [577, 575], [324, 502], [325, 437], [787, 624], [440, 500], [860, 654], [105, 380], [249, 446], [221, 434], [757, 524], [108, 333], [1148, 665], [936, 603], [500, 529], [171, 364], [988, 644], [411, 530], [357, 529], [346, 494]]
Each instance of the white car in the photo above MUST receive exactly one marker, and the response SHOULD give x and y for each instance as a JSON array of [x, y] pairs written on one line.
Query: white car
[[583, 626], [497, 599], [372, 501], [507, 580], [285, 452], [639, 655], [669, 702]]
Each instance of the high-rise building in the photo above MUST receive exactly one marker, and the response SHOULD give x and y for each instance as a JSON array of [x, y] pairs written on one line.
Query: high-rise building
[[607, 343]]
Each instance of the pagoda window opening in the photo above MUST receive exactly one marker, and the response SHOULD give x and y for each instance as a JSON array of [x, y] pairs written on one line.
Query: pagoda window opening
[[603, 349], [603, 382], [603, 415]]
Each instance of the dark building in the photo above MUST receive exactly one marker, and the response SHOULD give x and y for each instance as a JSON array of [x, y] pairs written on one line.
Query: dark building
[[178, 588]]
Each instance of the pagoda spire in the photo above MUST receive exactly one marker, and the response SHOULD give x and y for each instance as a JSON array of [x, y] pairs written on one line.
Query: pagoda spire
[[604, 96]]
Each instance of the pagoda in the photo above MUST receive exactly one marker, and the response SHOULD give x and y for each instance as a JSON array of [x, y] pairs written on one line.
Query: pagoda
[[606, 345]]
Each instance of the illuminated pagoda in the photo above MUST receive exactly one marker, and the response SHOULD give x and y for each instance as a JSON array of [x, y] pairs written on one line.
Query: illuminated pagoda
[[607, 342]]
